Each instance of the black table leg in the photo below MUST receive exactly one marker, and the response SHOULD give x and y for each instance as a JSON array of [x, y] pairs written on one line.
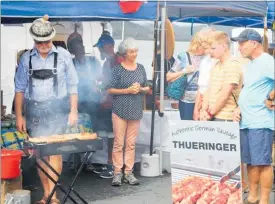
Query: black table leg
[[87, 155], [49, 166], [55, 182]]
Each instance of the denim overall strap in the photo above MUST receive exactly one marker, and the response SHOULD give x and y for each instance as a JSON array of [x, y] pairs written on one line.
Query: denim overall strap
[[54, 71]]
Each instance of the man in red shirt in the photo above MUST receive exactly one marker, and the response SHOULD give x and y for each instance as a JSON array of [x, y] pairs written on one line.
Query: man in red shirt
[[105, 45]]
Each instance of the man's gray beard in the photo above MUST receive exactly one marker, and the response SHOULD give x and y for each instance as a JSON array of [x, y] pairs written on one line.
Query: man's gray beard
[[44, 51]]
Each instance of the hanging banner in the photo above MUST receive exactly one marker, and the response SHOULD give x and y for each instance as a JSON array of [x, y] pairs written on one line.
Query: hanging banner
[[205, 162]]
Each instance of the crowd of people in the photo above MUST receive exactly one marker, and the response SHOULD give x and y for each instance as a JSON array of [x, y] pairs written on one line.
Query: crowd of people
[[52, 89], [222, 87]]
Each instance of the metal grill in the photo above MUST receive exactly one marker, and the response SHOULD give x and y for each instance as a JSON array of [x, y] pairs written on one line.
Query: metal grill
[[180, 172]]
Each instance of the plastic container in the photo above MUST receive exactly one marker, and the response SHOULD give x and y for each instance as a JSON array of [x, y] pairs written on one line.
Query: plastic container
[[149, 165], [10, 163]]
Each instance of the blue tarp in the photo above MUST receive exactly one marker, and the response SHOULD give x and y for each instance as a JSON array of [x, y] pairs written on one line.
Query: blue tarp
[[230, 13], [255, 22], [27, 11], [234, 13], [271, 10], [222, 8]]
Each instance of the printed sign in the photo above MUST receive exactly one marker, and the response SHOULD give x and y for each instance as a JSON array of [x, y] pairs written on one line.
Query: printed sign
[[205, 162]]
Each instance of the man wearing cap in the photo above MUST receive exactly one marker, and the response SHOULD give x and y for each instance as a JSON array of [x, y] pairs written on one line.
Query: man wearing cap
[[105, 45], [46, 85], [256, 118]]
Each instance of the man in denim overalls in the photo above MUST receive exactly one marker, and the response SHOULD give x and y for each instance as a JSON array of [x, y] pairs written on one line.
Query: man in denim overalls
[[46, 86]]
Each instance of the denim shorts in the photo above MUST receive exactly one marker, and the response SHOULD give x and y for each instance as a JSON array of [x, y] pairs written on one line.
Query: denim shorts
[[256, 146]]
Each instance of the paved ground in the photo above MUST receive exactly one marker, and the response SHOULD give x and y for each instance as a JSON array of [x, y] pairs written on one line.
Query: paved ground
[[99, 191]]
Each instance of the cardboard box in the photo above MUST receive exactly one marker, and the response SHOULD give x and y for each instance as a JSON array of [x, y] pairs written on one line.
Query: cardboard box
[[8, 186]]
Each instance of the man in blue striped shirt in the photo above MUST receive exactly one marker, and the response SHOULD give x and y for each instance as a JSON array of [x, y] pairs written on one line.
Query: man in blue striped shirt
[[46, 85]]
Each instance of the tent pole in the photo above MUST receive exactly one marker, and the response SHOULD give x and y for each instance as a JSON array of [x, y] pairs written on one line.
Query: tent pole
[[123, 29], [265, 37], [162, 53], [273, 32], [155, 67]]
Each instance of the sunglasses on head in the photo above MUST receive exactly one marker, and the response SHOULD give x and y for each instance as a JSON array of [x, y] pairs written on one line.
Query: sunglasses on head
[[42, 42]]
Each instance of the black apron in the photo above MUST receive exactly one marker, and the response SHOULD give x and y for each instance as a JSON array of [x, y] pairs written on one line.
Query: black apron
[[48, 117]]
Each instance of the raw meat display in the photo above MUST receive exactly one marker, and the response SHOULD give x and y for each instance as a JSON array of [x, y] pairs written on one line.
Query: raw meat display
[[218, 194], [199, 190], [235, 198], [63, 138], [186, 187]]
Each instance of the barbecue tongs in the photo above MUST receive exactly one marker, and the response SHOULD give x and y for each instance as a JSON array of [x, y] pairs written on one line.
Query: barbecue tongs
[[230, 174]]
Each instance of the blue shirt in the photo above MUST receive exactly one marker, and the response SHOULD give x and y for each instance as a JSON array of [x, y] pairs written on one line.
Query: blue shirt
[[43, 90], [88, 73], [258, 83]]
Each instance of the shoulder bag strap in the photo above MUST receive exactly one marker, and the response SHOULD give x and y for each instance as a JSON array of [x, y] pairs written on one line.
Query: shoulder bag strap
[[190, 63], [189, 58], [55, 80], [30, 71]]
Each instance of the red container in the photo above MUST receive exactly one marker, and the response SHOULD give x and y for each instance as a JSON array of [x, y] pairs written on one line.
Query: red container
[[10, 163]]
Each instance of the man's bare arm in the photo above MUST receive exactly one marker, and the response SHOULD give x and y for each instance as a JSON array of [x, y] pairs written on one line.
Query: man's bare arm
[[197, 106], [19, 100], [73, 111], [74, 102], [225, 93], [20, 120], [270, 102], [205, 103]]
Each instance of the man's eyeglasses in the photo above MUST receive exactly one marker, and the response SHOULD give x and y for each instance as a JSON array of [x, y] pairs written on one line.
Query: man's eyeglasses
[[42, 42]]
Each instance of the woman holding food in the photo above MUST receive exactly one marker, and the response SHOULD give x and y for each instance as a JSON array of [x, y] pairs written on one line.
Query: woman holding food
[[127, 85]]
